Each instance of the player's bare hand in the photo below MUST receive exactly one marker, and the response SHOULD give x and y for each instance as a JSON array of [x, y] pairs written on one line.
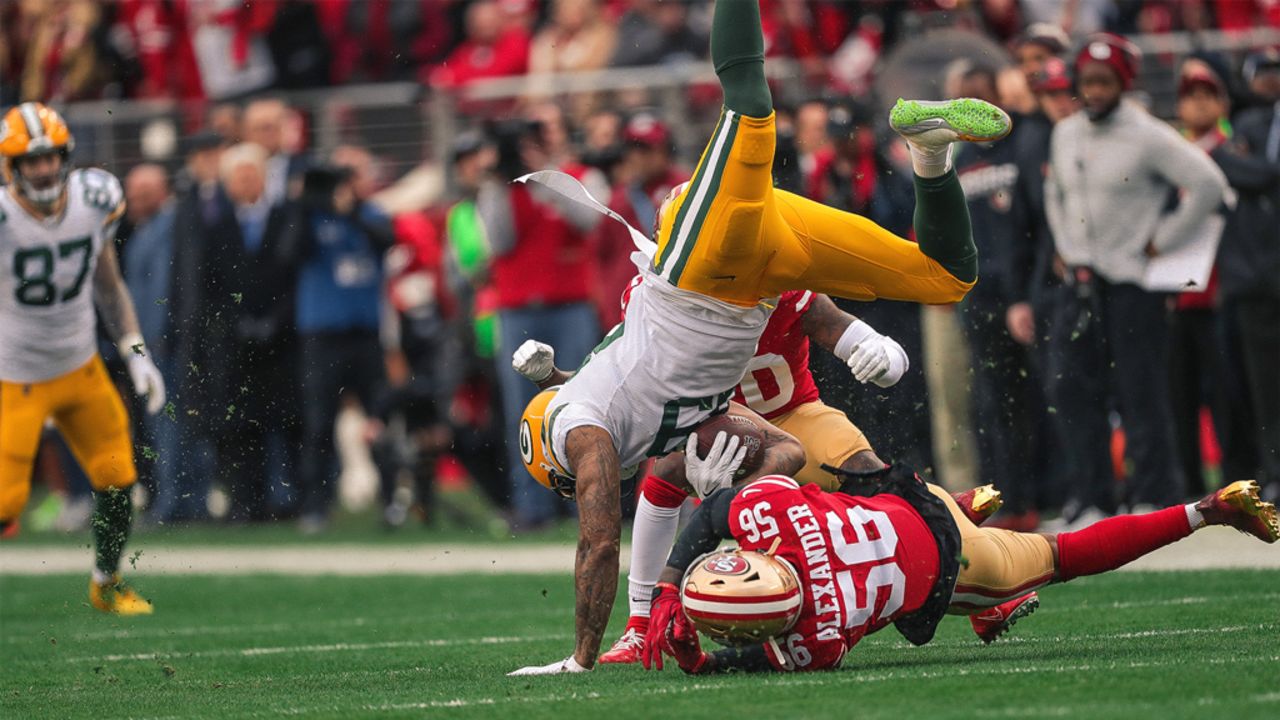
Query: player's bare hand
[[716, 470], [567, 665], [878, 359], [1021, 321], [534, 360]]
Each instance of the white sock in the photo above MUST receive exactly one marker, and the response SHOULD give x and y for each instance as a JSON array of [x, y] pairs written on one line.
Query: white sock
[[100, 577], [930, 161], [651, 537], [1194, 518]]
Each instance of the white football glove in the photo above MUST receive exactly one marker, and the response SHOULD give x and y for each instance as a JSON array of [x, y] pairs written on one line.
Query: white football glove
[[872, 357], [146, 377], [567, 665], [534, 360], [715, 471]]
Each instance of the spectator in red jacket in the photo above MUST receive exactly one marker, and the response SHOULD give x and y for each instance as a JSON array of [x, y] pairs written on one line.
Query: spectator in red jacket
[[493, 48], [649, 171]]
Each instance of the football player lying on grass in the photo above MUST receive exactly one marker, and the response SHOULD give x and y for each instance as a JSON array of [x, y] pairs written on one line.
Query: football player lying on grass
[[814, 572], [827, 436]]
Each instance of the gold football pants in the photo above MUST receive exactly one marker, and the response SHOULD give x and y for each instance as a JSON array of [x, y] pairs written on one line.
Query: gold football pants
[[733, 236], [828, 436], [86, 409]]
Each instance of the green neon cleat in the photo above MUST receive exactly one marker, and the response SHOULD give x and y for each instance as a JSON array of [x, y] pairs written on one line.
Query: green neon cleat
[[937, 123]]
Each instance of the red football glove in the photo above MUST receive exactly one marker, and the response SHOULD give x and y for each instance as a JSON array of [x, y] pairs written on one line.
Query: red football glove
[[682, 643], [664, 609]]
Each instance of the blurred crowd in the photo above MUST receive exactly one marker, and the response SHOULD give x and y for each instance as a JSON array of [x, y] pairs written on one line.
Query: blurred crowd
[[66, 50], [277, 285]]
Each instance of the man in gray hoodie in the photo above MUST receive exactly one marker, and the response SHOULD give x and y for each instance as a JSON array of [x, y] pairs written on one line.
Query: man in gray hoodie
[[1114, 173]]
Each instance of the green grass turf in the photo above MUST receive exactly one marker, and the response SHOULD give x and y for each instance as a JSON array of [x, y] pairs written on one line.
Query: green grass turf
[[1129, 645]]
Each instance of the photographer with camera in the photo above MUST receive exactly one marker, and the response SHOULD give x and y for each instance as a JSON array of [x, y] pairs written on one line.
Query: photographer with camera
[[335, 249]]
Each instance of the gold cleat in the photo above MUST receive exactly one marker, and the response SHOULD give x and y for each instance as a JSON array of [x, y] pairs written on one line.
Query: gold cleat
[[1240, 506], [118, 597]]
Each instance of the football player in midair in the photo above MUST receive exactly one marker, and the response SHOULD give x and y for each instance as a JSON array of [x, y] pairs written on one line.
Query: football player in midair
[[780, 387], [57, 263], [814, 572], [727, 245]]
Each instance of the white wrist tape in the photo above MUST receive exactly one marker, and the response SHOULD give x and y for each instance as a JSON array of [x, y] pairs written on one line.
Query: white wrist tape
[[853, 336]]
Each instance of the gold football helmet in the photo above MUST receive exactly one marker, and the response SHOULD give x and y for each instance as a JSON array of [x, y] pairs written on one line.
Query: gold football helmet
[[741, 596], [536, 451], [33, 129]]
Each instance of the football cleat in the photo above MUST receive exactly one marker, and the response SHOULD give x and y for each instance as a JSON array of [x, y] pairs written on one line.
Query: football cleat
[[9, 530], [979, 503], [935, 124], [118, 597], [626, 651], [993, 622], [1239, 506]]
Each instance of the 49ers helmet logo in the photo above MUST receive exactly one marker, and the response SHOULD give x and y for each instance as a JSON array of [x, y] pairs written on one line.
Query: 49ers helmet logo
[[727, 565], [526, 442]]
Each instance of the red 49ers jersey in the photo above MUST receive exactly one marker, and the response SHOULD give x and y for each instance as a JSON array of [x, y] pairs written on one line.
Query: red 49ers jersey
[[777, 379], [863, 562]]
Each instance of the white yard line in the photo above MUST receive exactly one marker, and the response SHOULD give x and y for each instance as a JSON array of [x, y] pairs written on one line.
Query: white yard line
[[1209, 549]]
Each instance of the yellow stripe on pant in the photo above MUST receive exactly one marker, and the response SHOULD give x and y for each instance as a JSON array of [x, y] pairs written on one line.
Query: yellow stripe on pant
[[86, 409], [733, 237]]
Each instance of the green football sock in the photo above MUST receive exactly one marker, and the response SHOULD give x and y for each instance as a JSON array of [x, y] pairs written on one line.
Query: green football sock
[[942, 225], [112, 520], [737, 52]]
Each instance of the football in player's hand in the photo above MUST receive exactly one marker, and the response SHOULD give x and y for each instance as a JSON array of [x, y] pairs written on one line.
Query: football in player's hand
[[748, 432]]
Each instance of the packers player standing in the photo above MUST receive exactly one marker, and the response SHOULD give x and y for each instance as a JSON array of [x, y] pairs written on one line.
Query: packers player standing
[[57, 262], [727, 245]]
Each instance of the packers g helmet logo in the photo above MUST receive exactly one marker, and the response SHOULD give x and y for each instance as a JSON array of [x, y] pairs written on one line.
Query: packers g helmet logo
[[526, 442]]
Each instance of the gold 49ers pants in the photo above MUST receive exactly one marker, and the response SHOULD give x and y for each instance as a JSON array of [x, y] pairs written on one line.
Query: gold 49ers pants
[[1001, 564], [828, 436], [86, 409], [732, 236]]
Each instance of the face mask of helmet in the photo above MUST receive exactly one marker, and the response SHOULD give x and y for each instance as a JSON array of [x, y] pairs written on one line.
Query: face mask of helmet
[[50, 192]]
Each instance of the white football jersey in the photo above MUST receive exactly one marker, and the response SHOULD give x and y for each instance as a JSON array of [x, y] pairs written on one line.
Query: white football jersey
[[671, 364], [46, 278]]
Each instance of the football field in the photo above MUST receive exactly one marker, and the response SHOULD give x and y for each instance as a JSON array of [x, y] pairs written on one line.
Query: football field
[[1202, 643]]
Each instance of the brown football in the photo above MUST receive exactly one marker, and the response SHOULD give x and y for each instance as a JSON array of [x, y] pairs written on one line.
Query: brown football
[[744, 428]]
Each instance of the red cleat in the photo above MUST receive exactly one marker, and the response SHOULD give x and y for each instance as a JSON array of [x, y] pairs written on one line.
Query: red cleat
[[1239, 506], [979, 503], [994, 622], [626, 651], [9, 530]]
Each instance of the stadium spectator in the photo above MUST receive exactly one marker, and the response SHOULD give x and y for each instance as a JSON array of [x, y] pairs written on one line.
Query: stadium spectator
[[479, 430], [263, 124], [1035, 47], [153, 34], [334, 248], [145, 260], [544, 275], [60, 60], [299, 48], [1206, 368], [1110, 162], [1004, 393], [811, 137], [229, 40], [492, 48], [233, 320], [651, 172], [1030, 286], [1249, 258], [1261, 72], [652, 32], [576, 37]]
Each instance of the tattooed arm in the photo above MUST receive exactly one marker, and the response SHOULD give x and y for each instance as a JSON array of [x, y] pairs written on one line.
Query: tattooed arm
[[595, 460]]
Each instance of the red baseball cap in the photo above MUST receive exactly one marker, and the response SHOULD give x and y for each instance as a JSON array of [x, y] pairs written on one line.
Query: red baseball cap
[[646, 129], [1053, 77], [1195, 72], [1114, 51]]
